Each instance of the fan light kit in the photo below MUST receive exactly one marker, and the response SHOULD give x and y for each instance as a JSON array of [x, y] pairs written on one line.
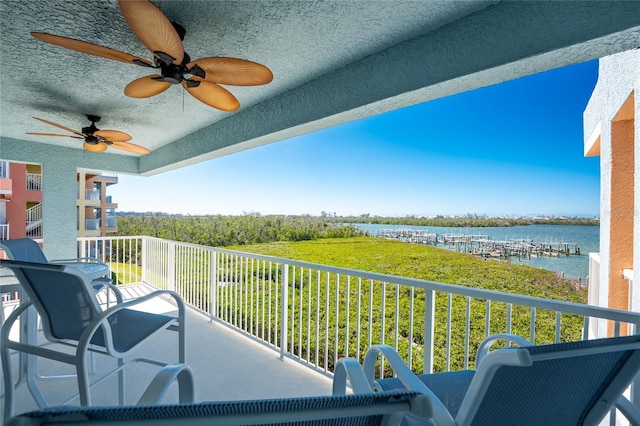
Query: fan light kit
[[200, 78], [96, 140]]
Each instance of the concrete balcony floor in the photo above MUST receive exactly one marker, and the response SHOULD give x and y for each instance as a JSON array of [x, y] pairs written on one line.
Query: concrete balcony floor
[[226, 366]]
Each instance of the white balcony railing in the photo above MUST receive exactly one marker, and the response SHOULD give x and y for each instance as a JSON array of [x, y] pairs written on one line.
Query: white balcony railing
[[33, 225], [92, 194], [4, 169], [316, 314], [112, 221], [4, 231], [34, 182], [91, 224]]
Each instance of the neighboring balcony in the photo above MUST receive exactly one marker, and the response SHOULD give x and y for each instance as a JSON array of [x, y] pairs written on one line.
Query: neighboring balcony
[[109, 202], [34, 181], [263, 327], [111, 224], [92, 194]]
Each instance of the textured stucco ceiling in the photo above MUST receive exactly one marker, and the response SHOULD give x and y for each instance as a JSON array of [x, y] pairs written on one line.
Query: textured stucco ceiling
[[333, 61]]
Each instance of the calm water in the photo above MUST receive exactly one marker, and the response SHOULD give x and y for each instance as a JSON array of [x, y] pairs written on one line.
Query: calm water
[[576, 266]]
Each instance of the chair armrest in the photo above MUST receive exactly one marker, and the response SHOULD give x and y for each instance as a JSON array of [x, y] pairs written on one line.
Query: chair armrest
[[485, 345], [102, 319], [438, 411], [630, 411], [99, 285], [12, 318], [162, 381], [349, 368]]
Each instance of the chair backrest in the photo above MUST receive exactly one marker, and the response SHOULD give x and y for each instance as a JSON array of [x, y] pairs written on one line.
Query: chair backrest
[[354, 409], [565, 383], [60, 294], [23, 249]]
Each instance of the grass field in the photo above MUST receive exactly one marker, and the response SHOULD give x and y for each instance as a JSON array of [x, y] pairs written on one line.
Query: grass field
[[428, 263]]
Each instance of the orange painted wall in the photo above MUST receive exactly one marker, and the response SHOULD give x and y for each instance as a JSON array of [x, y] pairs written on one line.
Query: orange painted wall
[[622, 209]]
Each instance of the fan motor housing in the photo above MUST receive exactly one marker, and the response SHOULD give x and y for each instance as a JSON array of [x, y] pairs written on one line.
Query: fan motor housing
[[173, 74], [90, 139]]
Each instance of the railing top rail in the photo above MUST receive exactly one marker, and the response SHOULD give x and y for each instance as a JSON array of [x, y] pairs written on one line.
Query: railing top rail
[[516, 299]]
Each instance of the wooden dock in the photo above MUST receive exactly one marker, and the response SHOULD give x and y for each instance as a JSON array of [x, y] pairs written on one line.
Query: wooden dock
[[483, 245]]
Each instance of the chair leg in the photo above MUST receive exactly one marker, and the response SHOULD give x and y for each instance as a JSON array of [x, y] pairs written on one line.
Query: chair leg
[[32, 385], [121, 390], [31, 361], [82, 372], [9, 403]]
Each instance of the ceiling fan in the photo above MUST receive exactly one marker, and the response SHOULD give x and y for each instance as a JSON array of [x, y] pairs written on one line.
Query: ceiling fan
[[96, 140], [200, 78]]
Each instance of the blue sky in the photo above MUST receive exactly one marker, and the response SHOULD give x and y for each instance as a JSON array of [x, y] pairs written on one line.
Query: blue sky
[[511, 149]]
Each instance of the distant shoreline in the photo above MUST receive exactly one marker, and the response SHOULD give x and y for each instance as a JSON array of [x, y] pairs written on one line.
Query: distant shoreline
[[442, 221], [469, 221]]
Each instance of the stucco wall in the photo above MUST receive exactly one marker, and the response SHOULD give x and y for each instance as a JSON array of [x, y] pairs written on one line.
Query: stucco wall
[[618, 82]]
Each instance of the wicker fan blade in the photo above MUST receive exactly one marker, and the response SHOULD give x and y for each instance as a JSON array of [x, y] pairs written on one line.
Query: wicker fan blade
[[131, 147], [55, 134], [113, 135], [233, 71], [213, 95], [153, 28], [95, 147], [146, 87], [60, 126], [90, 48]]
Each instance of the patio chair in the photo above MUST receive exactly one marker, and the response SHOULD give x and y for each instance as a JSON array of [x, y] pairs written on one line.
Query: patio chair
[[574, 383], [27, 250], [384, 408], [71, 318]]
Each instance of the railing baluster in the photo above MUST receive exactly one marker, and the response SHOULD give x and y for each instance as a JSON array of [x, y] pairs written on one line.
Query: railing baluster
[[487, 318], [370, 328], [284, 302], [213, 303], [346, 316], [585, 328], [358, 321], [411, 307], [532, 325], [429, 327], [467, 331], [250, 296], [397, 316], [448, 338], [383, 313], [309, 276], [262, 294], [293, 309], [336, 324], [326, 326], [301, 314], [270, 300], [317, 363]]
